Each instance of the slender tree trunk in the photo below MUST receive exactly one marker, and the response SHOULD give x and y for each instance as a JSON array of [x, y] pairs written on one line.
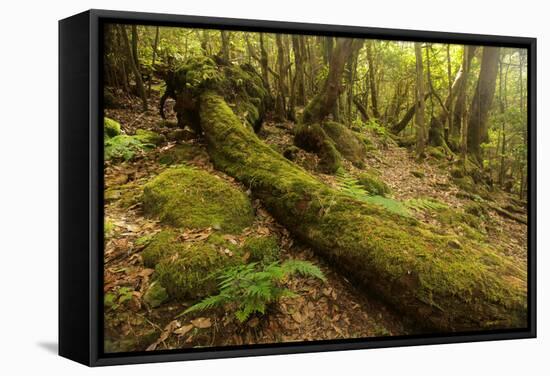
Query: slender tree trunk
[[482, 101], [324, 102], [299, 69], [372, 80], [409, 114], [135, 45], [264, 63], [450, 94], [225, 50], [461, 84], [135, 70], [155, 45], [420, 103], [280, 105]]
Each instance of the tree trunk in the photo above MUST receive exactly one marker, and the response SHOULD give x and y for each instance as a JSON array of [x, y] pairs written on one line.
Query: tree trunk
[[402, 124], [362, 109], [299, 60], [372, 80], [135, 70], [482, 101], [280, 105], [155, 45], [135, 45], [264, 64], [325, 101], [398, 259], [420, 103], [225, 51], [461, 84]]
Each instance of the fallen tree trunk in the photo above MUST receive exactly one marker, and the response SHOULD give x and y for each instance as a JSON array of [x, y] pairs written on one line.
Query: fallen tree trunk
[[404, 262]]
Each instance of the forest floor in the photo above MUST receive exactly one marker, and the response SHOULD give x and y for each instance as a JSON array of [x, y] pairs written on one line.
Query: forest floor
[[334, 309]]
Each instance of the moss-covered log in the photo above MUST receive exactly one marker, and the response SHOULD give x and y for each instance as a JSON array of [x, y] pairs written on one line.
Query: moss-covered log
[[408, 264]]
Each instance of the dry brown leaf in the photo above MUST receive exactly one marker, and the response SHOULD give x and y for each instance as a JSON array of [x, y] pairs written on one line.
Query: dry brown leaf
[[146, 272], [298, 317], [183, 330], [168, 329], [202, 323]]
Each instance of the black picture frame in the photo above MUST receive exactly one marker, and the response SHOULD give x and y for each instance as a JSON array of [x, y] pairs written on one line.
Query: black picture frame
[[81, 186]]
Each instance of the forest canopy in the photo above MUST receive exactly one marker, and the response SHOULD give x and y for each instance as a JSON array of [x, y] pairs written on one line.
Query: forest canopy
[[290, 165]]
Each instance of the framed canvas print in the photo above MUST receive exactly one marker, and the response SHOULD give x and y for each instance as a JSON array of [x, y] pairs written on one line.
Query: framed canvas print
[[240, 187]]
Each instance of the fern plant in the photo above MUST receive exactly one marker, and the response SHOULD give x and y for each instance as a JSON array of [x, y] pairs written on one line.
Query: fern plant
[[351, 186], [252, 287]]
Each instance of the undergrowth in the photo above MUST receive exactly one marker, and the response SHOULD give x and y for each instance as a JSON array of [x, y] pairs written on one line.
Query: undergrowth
[[250, 288]]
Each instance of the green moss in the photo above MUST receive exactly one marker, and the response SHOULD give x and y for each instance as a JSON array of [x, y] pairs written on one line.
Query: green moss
[[155, 295], [476, 209], [124, 147], [187, 197], [405, 262], [373, 184], [465, 183], [312, 138], [264, 249], [149, 137], [111, 128], [291, 152], [347, 142], [108, 228], [437, 152], [187, 270]]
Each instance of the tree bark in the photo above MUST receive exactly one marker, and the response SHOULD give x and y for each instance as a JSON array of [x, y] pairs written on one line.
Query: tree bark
[[402, 124], [482, 101], [299, 60], [325, 101], [225, 51], [402, 261], [135, 45], [460, 85], [280, 100], [420, 103], [135, 70], [155, 45], [264, 64], [372, 80]]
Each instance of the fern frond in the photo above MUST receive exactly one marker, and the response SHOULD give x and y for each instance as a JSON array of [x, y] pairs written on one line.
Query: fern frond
[[303, 268]]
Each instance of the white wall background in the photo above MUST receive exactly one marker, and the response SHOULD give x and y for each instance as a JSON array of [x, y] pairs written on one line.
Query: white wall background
[[28, 176]]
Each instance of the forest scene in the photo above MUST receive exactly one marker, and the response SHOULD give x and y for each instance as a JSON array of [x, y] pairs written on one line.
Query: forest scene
[[265, 188]]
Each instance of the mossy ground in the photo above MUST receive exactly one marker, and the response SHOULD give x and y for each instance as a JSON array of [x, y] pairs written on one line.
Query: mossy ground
[[373, 184], [188, 270], [111, 127], [190, 198]]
